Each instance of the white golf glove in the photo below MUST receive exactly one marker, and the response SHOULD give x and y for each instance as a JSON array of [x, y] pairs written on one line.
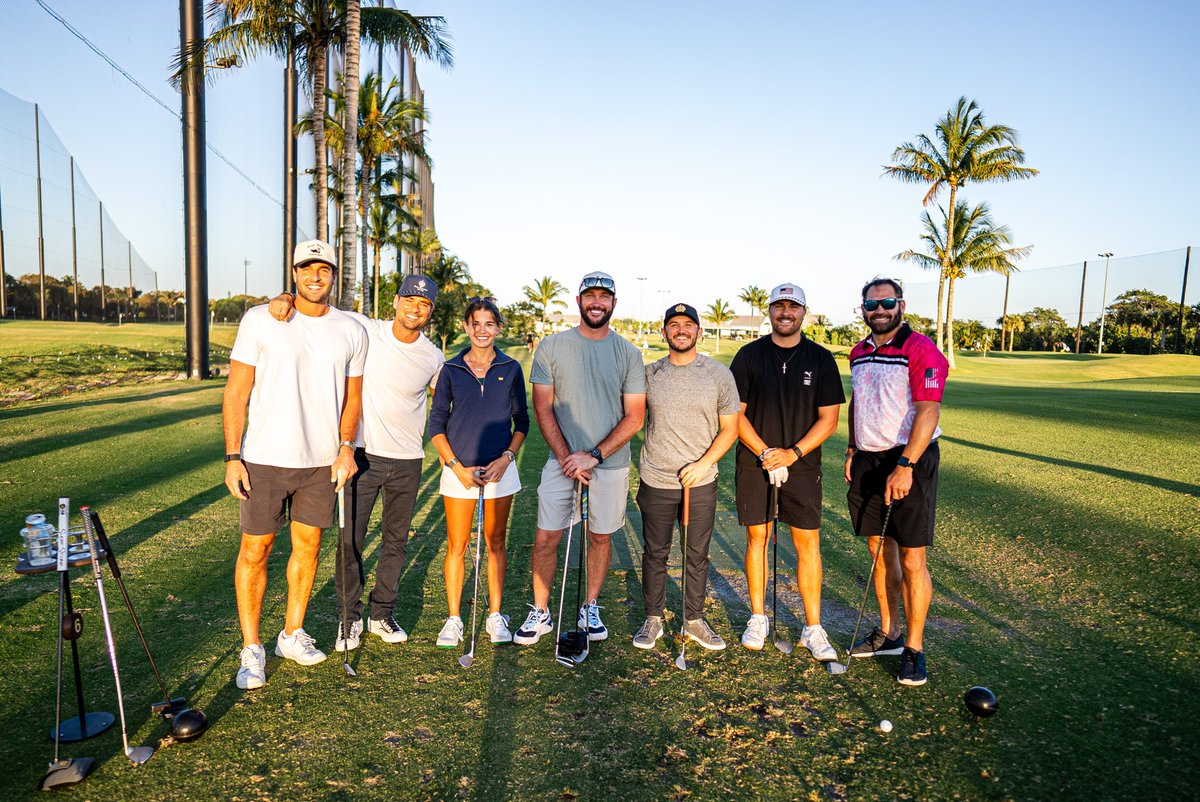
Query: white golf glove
[[778, 476]]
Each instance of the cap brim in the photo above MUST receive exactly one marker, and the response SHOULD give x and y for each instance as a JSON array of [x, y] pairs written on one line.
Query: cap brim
[[316, 260]]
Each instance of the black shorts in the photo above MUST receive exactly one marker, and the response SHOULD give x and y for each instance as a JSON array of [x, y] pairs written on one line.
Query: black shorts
[[799, 498], [911, 524], [303, 495]]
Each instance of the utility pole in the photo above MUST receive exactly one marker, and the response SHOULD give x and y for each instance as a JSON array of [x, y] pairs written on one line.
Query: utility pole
[[1103, 302], [1079, 325], [74, 251], [1187, 261], [3, 280], [289, 165], [37, 147], [103, 289], [195, 202]]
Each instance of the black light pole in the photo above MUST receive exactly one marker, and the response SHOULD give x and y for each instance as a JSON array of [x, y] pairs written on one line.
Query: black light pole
[[1103, 301], [195, 203], [289, 166]]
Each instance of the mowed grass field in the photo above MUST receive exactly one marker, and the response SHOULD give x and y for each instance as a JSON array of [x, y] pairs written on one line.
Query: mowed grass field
[[1065, 578]]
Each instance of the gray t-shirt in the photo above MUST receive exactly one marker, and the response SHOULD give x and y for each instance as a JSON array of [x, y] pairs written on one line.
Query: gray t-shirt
[[683, 403], [589, 378]]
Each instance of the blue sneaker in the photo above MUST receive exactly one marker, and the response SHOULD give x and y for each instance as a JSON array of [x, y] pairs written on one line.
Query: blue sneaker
[[589, 618]]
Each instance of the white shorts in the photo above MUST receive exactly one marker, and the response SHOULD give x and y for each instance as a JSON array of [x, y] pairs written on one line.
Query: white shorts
[[608, 493], [509, 484]]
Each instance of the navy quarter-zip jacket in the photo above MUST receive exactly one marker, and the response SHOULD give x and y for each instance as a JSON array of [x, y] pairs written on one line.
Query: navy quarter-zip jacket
[[479, 418]]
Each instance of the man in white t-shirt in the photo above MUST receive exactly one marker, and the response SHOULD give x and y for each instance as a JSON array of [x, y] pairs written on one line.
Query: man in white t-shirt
[[290, 455], [402, 364]]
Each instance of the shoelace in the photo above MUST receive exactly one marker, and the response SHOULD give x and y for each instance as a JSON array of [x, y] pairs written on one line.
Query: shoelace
[[249, 659], [701, 628], [647, 628], [536, 615], [304, 640], [593, 614], [389, 624], [819, 639]]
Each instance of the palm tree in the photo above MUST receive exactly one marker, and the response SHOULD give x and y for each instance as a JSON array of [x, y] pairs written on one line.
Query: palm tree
[[544, 292], [350, 47], [756, 297], [250, 28], [720, 313], [451, 275], [966, 150], [975, 244]]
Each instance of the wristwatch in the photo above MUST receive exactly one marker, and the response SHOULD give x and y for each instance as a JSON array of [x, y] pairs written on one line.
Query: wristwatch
[[595, 452], [347, 443], [799, 452], [233, 457], [905, 462], [452, 462], [512, 457]]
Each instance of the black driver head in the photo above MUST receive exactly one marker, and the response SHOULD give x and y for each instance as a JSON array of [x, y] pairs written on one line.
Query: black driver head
[[188, 725], [981, 701]]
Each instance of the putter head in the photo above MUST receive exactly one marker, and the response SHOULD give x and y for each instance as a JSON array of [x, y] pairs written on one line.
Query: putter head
[[784, 646], [139, 754], [66, 772], [466, 660], [834, 667], [169, 708]]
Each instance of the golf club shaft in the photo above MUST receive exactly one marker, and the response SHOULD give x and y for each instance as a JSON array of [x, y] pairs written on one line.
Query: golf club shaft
[[870, 578], [562, 594], [58, 674], [115, 570], [584, 531], [341, 560], [475, 596], [683, 549], [89, 528]]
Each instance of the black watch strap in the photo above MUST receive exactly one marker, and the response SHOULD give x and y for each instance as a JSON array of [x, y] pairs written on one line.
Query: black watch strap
[[905, 462], [599, 456], [232, 457]]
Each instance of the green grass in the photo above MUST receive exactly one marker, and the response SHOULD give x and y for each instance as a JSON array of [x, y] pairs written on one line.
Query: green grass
[[1064, 572]]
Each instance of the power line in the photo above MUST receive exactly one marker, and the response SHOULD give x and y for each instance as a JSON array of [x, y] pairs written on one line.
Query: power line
[[75, 32]]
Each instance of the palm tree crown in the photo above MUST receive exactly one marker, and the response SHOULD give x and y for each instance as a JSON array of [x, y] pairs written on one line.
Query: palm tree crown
[[544, 293]]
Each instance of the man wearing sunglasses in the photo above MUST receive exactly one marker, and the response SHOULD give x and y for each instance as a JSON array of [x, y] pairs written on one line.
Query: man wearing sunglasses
[[589, 397], [791, 393], [897, 378]]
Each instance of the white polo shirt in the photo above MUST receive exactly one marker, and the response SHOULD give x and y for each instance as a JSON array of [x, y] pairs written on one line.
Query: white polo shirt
[[300, 372]]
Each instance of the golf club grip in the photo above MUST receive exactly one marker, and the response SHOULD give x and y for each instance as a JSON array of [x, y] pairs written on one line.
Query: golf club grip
[[583, 503], [108, 552], [686, 503]]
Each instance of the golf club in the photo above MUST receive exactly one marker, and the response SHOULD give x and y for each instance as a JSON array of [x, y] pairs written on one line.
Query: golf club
[[567, 645], [70, 770], [184, 720], [681, 660], [168, 707], [349, 669], [467, 659], [834, 667], [782, 645], [137, 754], [581, 577]]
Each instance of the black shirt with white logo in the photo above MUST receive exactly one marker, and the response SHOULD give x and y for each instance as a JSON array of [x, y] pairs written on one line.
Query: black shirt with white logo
[[782, 389]]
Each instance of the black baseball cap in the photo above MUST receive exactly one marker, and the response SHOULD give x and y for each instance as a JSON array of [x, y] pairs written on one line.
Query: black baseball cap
[[681, 309]]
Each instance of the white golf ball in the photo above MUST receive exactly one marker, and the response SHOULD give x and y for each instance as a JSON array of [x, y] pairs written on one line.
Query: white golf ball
[[885, 725]]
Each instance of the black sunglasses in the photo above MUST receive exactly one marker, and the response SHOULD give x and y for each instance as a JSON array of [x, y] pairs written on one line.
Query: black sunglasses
[[887, 303], [481, 300], [592, 282]]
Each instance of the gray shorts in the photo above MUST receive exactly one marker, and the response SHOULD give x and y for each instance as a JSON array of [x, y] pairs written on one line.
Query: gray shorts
[[608, 493], [303, 495]]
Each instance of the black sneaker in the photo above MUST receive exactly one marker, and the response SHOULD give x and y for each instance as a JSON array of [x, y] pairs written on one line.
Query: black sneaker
[[912, 668], [878, 645]]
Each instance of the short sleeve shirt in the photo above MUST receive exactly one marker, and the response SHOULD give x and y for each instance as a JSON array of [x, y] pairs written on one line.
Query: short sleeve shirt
[[300, 372], [589, 378], [782, 389], [683, 406], [395, 381], [888, 381]]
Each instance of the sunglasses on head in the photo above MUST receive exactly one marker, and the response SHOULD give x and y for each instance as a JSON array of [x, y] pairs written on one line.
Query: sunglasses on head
[[887, 303], [486, 299], [598, 282]]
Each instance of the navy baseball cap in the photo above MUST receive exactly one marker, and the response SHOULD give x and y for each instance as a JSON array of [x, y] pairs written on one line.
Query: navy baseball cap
[[686, 310], [418, 285]]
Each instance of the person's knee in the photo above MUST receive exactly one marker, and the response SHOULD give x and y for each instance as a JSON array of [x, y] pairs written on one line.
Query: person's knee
[[807, 542], [546, 541], [455, 548], [913, 561], [254, 551], [496, 542], [596, 541]]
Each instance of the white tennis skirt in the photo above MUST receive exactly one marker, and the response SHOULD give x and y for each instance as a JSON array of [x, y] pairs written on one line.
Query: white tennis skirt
[[509, 484]]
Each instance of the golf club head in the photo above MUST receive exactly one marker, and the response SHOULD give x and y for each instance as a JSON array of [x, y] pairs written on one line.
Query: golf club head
[[467, 660], [349, 669], [139, 754], [189, 725], [834, 667], [66, 772], [169, 708], [681, 662], [784, 646], [563, 660], [579, 658]]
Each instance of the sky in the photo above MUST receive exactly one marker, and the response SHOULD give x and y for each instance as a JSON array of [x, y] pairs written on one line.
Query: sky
[[701, 147]]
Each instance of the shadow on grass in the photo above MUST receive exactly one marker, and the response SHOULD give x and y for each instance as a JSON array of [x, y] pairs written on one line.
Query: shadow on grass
[[119, 398], [1134, 411], [37, 446], [1116, 473]]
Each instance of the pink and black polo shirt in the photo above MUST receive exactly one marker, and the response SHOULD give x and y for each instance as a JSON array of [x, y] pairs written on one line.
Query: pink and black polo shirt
[[887, 381]]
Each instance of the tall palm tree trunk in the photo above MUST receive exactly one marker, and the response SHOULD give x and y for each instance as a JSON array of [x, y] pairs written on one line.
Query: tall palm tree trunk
[[320, 166], [350, 150], [375, 282], [944, 277], [950, 322], [363, 205]]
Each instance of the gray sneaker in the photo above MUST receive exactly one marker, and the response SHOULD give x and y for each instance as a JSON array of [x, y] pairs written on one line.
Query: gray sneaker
[[698, 630], [650, 632]]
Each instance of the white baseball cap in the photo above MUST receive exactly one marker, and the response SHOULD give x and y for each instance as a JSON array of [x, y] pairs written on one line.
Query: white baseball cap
[[314, 250], [788, 292]]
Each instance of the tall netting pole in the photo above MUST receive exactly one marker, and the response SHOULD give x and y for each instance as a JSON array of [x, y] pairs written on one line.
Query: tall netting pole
[[1187, 261], [195, 204]]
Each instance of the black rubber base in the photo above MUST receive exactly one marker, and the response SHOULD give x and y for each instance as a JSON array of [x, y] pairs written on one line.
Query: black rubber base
[[70, 730], [572, 644]]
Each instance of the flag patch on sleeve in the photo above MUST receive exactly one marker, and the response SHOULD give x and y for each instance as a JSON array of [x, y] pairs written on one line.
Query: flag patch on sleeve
[[931, 378]]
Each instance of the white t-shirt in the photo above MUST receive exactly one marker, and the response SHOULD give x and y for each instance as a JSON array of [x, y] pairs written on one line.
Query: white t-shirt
[[394, 383], [300, 371]]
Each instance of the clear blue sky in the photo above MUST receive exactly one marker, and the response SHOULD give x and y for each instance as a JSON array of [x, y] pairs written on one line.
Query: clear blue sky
[[704, 146]]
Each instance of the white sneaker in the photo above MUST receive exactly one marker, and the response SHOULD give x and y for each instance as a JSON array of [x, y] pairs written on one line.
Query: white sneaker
[[497, 626], [300, 647], [253, 673], [451, 634], [589, 618], [351, 643], [816, 641], [387, 628], [537, 624], [756, 632]]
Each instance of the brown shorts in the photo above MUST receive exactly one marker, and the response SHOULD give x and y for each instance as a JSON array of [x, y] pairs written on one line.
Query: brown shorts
[[303, 495]]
